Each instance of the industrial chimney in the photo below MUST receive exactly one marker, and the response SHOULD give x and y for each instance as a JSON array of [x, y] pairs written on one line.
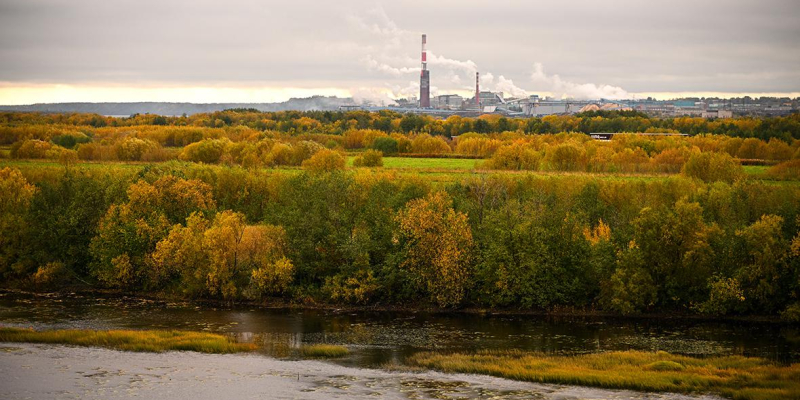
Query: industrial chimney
[[478, 89], [424, 79]]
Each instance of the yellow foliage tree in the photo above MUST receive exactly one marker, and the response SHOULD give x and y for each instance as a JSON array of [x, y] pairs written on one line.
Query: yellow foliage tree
[[439, 242], [225, 257], [324, 161]]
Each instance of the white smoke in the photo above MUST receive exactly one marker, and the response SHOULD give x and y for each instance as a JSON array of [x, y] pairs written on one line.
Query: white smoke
[[561, 88], [502, 84], [393, 55], [375, 65]]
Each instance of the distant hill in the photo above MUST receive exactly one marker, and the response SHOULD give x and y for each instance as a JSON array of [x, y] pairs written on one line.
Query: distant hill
[[305, 104]]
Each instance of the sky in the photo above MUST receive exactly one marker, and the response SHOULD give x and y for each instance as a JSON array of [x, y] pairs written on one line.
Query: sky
[[265, 51]]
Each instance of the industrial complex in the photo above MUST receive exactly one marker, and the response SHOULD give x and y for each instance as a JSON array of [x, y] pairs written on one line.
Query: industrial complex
[[484, 102]]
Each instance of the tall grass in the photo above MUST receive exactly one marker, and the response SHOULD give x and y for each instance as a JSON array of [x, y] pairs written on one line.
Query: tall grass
[[734, 377], [323, 351], [146, 341]]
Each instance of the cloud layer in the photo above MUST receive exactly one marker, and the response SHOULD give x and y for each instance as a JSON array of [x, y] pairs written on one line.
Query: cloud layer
[[581, 48]]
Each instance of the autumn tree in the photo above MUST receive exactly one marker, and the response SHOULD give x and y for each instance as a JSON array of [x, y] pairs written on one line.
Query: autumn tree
[[370, 158], [324, 161], [438, 244], [630, 288], [711, 167], [765, 270], [224, 257], [129, 231], [15, 199]]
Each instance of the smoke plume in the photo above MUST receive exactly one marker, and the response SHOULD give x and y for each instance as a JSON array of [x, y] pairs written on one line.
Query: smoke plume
[[561, 88]]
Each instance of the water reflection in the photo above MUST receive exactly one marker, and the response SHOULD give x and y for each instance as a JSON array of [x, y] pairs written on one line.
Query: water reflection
[[377, 338]]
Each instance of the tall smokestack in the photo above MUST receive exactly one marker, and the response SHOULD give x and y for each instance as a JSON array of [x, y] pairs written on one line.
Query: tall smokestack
[[478, 89], [424, 78]]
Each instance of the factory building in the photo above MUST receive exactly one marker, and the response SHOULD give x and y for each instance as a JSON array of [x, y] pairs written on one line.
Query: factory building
[[448, 102]]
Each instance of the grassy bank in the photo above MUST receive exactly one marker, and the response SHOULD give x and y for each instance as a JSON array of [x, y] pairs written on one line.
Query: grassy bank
[[731, 376], [147, 341], [323, 351]]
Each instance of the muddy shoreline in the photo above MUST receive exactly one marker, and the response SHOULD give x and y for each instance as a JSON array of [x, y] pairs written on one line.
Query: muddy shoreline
[[55, 372]]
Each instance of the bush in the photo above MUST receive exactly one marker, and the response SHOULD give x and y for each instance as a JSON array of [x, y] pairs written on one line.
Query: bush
[[566, 157], [665, 366], [69, 141], [207, 151], [30, 149], [385, 145], [712, 167], [324, 351], [324, 161], [370, 158], [132, 149], [427, 144], [515, 157], [789, 170]]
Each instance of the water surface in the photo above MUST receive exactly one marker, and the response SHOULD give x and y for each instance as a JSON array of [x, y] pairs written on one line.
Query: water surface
[[379, 338]]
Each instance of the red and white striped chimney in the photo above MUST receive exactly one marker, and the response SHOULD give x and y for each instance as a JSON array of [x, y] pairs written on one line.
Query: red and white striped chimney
[[478, 89]]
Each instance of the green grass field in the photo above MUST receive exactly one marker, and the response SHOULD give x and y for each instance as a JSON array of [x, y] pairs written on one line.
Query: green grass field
[[755, 169], [425, 163], [436, 170]]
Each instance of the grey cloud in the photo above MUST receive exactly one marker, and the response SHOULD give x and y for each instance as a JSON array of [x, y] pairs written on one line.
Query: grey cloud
[[682, 45]]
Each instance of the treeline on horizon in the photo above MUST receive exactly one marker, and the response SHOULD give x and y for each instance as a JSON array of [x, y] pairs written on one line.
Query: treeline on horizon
[[254, 139], [372, 237], [388, 121]]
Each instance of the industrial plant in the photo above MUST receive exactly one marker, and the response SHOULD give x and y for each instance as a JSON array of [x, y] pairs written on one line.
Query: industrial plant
[[488, 102]]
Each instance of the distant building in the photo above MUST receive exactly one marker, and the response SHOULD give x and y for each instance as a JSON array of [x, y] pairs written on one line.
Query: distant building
[[448, 102], [717, 114], [603, 136], [491, 98]]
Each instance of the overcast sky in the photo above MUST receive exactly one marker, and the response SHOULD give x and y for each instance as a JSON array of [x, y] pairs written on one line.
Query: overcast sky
[[260, 51]]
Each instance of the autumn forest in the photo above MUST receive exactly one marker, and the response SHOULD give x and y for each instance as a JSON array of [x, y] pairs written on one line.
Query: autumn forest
[[366, 209]]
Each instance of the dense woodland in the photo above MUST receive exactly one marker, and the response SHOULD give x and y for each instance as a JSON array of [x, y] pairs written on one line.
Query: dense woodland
[[692, 234]]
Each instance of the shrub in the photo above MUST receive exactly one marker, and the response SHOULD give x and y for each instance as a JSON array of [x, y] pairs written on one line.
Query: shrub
[[324, 351], [30, 149], [370, 158], [789, 170], [69, 141], [566, 157], [386, 145], [712, 167], [324, 161], [665, 366], [207, 151], [515, 157], [427, 144], [132, 149]]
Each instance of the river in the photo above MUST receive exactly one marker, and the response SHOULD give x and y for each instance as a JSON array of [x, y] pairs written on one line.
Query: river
[[377, 339]]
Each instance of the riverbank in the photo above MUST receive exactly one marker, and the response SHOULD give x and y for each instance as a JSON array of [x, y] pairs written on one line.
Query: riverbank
[[154, 341], [50, 371], [735, 377], [282, 304]]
